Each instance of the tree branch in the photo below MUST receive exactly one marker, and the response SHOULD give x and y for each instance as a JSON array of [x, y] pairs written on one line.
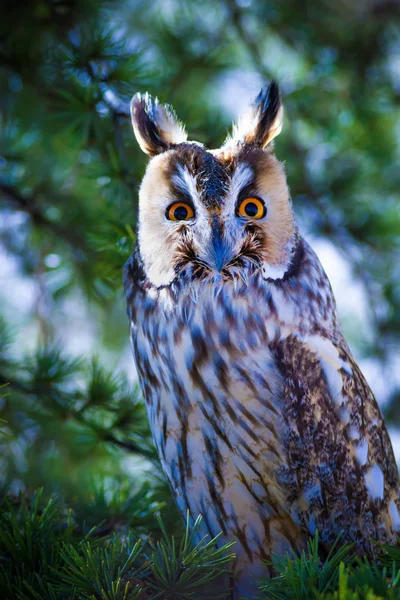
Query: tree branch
[[77, 415], [119, 111]]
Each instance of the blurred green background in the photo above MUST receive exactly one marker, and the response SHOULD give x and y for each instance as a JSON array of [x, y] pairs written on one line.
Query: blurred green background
[[69, 176]]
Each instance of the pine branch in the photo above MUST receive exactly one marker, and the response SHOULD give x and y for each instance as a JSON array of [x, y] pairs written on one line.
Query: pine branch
[[340, 576], [64, 407], [46, 553], [47, 377], [130, 447], [120, 112]]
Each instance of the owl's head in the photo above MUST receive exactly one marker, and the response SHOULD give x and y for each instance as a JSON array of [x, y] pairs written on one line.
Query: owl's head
[[213, 213]]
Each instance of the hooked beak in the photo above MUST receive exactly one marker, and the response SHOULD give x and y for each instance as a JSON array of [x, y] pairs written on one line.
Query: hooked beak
[[220, 253]]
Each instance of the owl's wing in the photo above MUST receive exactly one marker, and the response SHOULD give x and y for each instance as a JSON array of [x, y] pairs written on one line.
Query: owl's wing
[[341, 473]]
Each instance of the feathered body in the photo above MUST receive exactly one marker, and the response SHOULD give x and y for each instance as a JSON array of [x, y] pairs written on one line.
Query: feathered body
[[262, 420]]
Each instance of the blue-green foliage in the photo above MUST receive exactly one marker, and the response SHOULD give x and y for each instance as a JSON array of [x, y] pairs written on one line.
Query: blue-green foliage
[[340, 576], [46, 553]]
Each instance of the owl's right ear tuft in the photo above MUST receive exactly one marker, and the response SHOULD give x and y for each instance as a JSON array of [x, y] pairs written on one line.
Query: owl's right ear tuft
[[155, 125], [262, 121]]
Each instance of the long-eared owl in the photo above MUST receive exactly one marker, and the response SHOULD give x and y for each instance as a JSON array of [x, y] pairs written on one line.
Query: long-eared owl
[[263, 421]]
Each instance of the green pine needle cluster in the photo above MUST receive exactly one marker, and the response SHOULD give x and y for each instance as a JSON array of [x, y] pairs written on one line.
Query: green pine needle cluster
[[47, 554], [340, 576], [93, 409]]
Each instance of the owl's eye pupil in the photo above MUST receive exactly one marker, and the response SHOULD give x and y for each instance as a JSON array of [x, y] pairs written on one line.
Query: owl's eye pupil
[[251, 209], [180, 213]]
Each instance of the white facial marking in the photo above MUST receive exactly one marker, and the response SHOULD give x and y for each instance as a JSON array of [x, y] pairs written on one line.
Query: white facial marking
[[374, 482], [186, 182], [241, 177]]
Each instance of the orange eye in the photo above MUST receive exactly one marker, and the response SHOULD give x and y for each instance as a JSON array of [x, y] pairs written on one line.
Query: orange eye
[[179, 211], [253, 208]]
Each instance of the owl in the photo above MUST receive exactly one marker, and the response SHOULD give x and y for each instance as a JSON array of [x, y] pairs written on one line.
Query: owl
[[262, 419]]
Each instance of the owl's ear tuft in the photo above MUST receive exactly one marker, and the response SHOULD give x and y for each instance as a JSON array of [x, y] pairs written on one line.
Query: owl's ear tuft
[[262, 121], [155, 125]]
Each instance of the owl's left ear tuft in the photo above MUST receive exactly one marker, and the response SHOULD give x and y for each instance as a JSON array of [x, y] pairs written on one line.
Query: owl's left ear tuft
[[262, 121], [155, 125]]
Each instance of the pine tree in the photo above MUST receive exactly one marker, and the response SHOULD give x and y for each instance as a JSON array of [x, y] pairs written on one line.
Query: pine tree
[[72, 420]]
